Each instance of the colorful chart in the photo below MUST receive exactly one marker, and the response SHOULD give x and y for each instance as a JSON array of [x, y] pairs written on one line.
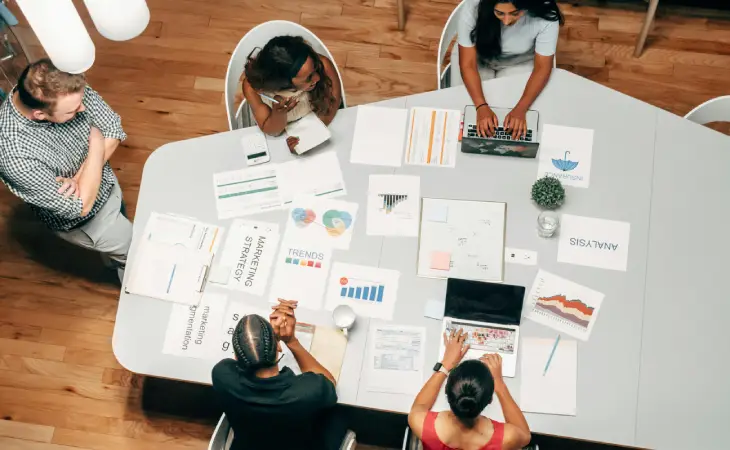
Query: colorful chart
[[336, 222], [574, 311], [303, 217], [304, 262], [362, 290], [390, 201]]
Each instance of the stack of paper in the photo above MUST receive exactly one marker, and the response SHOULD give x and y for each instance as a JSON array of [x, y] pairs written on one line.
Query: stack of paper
[[379, 136]]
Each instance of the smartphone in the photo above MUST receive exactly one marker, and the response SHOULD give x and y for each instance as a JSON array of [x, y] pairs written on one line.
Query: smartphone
[[256, 149]]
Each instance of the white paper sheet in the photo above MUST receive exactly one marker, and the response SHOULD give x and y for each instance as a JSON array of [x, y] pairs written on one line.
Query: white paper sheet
[[235, 311], [485, 337], [321, 221], [563, 305], [194, 330], [565, 154], [310, 130], [394, 205], [168, 272], [178, 230], [554, 392], [249, 252], [246, 191], [301, 273], [587, 241], [317, 174], [434, 309], [379, 136], [433, 137], [468, 245], [395, 359], [369, 291]]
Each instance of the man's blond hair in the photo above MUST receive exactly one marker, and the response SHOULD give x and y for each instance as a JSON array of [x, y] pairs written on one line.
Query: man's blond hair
[[41, 84]]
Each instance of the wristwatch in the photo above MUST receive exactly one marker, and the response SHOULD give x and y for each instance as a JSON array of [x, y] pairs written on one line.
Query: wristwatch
[[440, 368]]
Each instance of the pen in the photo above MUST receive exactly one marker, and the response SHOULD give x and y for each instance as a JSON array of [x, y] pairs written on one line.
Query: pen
[[269, 98], [550, 358], [172, 275]]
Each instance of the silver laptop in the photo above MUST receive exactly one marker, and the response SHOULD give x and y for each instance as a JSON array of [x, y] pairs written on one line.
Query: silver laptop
[[501, 143]]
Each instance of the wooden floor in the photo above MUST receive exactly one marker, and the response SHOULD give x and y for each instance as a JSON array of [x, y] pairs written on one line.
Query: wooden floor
[[60, 385]]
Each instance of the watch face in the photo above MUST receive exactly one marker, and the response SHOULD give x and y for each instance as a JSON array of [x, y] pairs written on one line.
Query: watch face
[[437, 367]]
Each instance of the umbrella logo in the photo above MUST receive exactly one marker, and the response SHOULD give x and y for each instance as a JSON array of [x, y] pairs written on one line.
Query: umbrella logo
[[565, 164]]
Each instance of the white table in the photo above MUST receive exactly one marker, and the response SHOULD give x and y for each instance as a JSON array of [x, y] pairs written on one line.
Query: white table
[[632, 386]]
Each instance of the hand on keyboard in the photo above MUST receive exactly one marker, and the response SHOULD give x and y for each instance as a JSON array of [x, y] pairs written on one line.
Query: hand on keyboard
[[487, 121], [516, 123]]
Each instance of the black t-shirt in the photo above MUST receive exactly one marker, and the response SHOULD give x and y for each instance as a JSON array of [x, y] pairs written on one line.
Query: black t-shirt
[[276, 412]]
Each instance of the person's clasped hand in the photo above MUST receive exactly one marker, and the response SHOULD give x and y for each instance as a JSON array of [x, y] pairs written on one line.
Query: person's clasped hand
[[283, 321], [456, 348], [516, 123], [487, 121]]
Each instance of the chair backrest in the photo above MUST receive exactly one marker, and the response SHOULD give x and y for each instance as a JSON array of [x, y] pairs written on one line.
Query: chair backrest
[[258, 37], [715, 110], [452, 24], [219, 440]]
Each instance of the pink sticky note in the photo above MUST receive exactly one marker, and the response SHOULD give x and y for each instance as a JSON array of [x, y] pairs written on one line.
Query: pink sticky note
[[441, 260]]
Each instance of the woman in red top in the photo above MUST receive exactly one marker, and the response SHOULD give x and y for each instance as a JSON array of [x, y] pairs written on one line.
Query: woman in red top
[[469, 390]]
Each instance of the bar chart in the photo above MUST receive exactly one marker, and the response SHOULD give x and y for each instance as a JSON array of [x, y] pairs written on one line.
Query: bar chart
[[390, 201], [362, 290]]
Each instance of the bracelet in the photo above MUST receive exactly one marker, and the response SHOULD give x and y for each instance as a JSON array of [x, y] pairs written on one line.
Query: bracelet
[[483, 104]]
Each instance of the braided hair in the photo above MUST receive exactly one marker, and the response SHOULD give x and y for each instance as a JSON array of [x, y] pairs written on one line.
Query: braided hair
[[469, 390], [254, 343]]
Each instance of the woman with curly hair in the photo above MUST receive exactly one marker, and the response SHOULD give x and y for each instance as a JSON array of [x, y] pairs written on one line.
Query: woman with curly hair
[[288, 71]]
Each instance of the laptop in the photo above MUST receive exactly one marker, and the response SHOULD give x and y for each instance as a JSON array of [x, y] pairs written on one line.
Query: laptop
[[490, 313], [501, 143]]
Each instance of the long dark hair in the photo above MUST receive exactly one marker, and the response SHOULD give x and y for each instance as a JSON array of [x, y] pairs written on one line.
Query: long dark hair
[[469, 390], [487, 34], [254, 343], [274, 67]]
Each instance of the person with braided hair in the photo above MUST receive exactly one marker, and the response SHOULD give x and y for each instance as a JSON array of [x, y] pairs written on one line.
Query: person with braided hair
[[261, 400], [470, 386]]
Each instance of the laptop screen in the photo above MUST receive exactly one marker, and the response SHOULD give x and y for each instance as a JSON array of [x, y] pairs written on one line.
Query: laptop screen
[[484, 302]]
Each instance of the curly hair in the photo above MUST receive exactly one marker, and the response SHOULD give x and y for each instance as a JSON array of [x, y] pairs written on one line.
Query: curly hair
[[275, 65], [254, 343], [41, 83]]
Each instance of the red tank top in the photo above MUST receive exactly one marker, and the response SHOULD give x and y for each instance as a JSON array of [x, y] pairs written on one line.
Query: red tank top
[[431, 441]]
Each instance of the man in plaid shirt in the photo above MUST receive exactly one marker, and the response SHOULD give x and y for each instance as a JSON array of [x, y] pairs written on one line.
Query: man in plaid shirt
[[56, 138]]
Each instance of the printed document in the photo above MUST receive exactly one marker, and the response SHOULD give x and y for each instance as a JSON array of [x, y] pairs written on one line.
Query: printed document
[[179, 230], [394, 205], [395, 360], [565, 154], [194, 330], [246, 191], [317, 174], [587, 241], [379, 136], [433, 137]]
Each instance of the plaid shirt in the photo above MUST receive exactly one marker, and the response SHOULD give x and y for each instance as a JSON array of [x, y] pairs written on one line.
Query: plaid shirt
[[33, 154]]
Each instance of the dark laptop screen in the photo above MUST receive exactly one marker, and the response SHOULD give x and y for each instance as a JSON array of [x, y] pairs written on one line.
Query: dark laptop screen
[[484, 302]]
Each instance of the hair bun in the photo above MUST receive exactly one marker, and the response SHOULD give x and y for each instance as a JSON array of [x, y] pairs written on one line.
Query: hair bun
[[467, 406]]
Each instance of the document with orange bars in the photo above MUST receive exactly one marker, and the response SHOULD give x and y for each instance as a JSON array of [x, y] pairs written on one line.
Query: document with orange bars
[[433, 136]]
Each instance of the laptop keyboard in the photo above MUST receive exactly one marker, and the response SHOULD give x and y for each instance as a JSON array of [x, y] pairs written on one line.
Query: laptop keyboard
[[499, 134]]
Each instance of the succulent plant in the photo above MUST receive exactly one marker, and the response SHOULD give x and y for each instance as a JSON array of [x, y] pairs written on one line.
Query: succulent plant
[[548, 193]]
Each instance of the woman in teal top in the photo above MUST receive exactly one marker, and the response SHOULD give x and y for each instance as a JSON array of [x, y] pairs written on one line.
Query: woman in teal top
[[498, 38]]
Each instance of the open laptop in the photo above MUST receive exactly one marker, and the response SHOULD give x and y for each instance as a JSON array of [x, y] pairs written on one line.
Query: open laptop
[[490, 313], [501, 143]]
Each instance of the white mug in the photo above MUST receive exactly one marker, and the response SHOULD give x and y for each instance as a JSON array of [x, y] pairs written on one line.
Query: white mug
[[344, 318]]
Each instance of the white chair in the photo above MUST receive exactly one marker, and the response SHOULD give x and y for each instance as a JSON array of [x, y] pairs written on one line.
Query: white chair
[[258, 37], [443, 78], [715, 110], [222, 436]]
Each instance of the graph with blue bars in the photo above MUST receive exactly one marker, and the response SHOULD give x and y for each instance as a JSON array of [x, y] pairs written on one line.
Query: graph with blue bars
[[361, 290]]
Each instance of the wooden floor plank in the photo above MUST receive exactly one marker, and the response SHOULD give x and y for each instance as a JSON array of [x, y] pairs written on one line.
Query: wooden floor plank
[[94, 358], [21, 444], [31, 349], [98, 441], [57, 369], [25, 431]]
